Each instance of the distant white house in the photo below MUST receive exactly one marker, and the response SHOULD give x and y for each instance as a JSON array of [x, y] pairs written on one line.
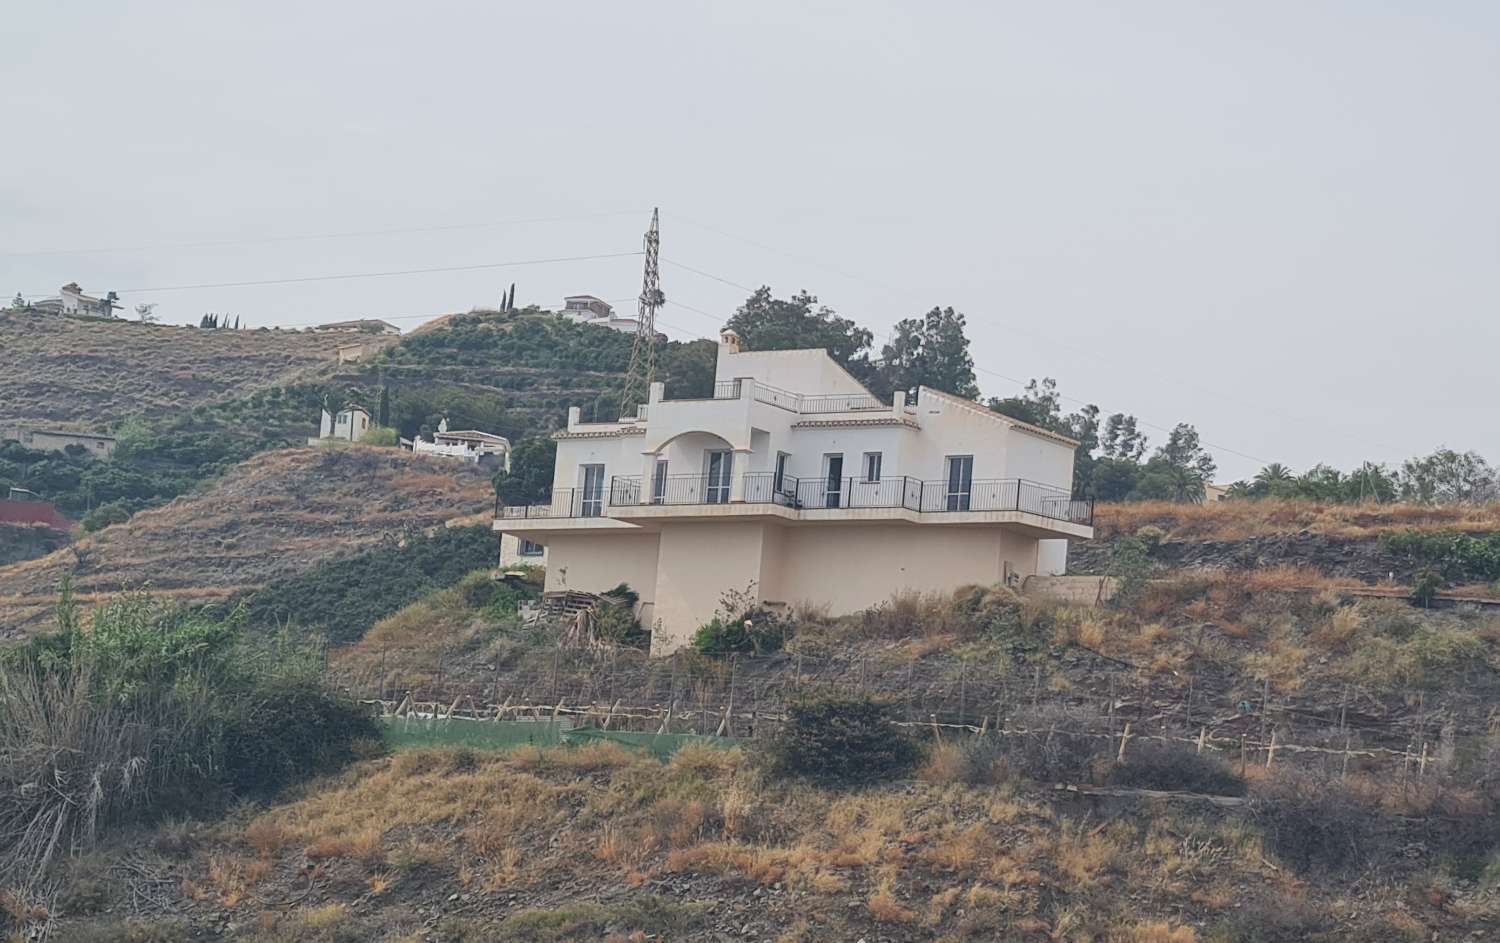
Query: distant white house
[[349, 425], [70, 299], [469, 445], [586, 309]]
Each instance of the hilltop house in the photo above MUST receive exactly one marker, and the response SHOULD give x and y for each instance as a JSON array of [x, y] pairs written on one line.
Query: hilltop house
[[469, 445], [70, 299], [795, 483], [349, 425], [586, 309]]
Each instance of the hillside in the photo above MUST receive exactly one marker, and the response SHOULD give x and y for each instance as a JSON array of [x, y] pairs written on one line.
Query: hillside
[[92, 372], [1346, 541], [269, 517]]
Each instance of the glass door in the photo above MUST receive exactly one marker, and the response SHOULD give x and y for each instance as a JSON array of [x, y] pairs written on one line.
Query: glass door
[[719, 471], [960, 481], [591, 491], [833, 481]]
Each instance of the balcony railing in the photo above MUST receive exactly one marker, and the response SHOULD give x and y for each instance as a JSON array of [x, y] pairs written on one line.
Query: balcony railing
[[913, 494], [563, 502], [798, 402]]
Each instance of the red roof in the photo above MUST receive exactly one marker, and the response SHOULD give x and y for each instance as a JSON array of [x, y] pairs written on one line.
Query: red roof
[[32, 512]]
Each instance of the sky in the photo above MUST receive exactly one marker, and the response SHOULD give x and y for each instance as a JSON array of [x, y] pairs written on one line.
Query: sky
[[1278, 221]]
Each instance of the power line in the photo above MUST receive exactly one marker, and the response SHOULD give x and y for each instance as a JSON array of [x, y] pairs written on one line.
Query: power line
[[262, 240], [388, 274]]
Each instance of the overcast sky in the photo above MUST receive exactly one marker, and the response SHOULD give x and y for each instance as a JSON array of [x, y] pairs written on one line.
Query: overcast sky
[[1277, 221]]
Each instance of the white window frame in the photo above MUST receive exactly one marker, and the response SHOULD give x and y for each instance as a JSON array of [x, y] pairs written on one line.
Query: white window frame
[[871, 467]]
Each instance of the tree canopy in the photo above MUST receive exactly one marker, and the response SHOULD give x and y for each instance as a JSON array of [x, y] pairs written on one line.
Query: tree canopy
[[932, 351], [799, 322]]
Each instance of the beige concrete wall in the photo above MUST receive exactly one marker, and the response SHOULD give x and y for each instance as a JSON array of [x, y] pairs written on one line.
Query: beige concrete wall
[[854, 567], [594, 563], [698, 563]]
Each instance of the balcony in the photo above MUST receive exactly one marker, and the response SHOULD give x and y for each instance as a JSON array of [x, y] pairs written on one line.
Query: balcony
[[563, 503], [818, 494], [800, 402]]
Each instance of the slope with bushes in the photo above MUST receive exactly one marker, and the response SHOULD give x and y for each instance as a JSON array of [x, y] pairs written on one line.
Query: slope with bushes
[[271, 517], [94, 373]]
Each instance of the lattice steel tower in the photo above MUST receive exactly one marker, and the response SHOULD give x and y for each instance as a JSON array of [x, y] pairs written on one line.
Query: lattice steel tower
[[643, 354]]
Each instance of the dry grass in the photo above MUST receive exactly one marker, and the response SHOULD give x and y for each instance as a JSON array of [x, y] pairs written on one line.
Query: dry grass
[[1238, 520], [203, 547]]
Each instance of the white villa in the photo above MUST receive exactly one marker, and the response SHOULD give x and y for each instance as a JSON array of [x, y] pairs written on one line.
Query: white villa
[[469, 445], [795, 482], [70, 299]]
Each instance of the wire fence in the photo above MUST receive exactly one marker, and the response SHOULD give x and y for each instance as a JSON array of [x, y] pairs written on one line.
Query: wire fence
[[746, 696]]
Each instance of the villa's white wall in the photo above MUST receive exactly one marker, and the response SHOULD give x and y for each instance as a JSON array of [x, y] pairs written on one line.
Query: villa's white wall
[[619, 456], [1052, 557], [796, 371], [949, 428], [1036, 459], [808, 446]]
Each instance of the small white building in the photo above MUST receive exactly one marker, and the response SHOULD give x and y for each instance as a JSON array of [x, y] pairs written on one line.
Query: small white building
[[70, 299], [349, 425], [797, 484], [586, 309], [469, 445], [360, 325]]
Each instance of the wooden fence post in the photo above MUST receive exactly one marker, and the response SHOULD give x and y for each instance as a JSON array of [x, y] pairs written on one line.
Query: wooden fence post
[[1124, 739], [1271, 749]]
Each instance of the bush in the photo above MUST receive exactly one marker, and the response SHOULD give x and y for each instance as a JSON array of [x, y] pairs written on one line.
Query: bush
[[1314, 824], [1064, 746], [1175, 768], [104, 515], [741, 626], [150, 709], [842, 737]]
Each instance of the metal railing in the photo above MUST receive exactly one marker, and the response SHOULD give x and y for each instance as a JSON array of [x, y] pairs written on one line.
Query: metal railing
[[840, 403], [798, 402], [563, 502], [912, 494]]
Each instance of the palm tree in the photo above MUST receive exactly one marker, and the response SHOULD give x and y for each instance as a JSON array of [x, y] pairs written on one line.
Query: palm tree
[[1273, 473]]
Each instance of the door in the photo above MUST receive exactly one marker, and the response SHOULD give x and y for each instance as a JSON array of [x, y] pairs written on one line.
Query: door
[[719, 472], [659, 482], [833, 481], [591, 491], [960, 481]]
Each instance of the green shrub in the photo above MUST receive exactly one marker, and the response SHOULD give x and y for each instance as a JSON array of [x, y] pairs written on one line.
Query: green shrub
[[104, 515], [150, 709], [847, 737], [741, 626]]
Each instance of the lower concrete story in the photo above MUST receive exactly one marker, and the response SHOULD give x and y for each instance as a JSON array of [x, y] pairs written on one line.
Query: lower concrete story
[[682, 569]]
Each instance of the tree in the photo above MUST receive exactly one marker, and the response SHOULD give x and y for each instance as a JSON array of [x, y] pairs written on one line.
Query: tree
[[1179, 471], [1447, 476], [383, 412], [18, 303], [1040, 405], [1273, 474], [799, 322], [529, 480], [928, 351], [1121, 440]]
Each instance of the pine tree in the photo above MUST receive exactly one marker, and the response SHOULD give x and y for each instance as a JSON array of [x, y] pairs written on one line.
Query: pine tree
[[383, 412]]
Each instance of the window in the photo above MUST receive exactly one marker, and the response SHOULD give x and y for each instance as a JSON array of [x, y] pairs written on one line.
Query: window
[[833, 480], [659, 482], [872, 466], [529, 549], [778, 485]]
